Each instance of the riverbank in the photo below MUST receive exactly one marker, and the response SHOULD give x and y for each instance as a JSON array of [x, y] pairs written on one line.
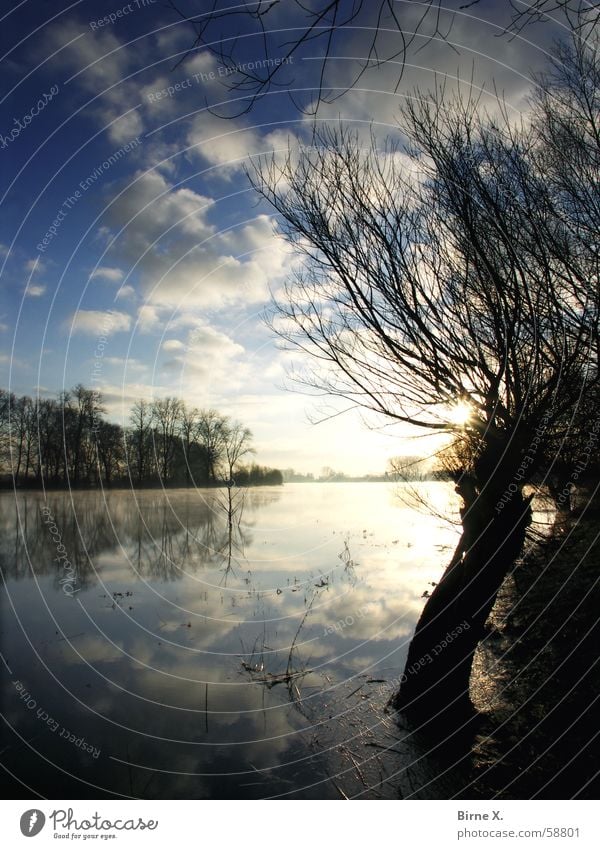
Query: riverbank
[[537, 677]]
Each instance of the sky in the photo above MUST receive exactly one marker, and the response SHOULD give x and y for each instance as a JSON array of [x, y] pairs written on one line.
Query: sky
[[135, 256]]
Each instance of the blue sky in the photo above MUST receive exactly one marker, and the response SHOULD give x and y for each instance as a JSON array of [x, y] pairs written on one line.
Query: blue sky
[[135, 255]]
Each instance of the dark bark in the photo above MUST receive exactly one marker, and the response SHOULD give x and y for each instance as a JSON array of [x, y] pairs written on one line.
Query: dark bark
[[436, 676]]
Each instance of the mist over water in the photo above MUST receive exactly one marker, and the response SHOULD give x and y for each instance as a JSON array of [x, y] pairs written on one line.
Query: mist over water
[[154, 648]]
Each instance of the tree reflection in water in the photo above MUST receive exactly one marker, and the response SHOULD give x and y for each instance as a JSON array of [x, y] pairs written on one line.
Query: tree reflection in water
[[205, 644]]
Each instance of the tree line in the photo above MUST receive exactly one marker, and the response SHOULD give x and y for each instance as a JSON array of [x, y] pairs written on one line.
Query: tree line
[[67, 441]]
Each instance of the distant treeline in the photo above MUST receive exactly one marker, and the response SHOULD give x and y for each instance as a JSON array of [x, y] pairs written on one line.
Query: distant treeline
[[400, 469], [67, 441]]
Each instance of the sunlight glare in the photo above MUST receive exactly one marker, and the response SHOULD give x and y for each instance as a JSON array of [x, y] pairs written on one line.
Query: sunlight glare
[[460, 413]]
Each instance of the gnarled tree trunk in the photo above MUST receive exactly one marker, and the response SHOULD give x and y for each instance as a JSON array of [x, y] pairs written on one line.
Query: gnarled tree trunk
[[436, 676]]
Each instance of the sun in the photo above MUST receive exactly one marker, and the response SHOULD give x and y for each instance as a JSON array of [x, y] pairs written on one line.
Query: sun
[[460, 413]]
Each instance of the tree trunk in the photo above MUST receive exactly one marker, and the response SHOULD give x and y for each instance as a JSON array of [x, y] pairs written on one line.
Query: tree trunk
[[187, 463], [438, 667]]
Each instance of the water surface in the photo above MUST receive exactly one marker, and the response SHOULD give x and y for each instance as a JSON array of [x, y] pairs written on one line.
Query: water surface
[[152, 648]]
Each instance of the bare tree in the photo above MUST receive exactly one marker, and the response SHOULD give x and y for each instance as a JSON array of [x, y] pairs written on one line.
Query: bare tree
[[140, 446], [110, 451], [237, 443], [51, 455], [188, 432], [449, 271], [5, 405], [66, 441], [211, 431], [281, 33], [82, 409], [166, 417], [407, 468], [22, 436], [579, 14]]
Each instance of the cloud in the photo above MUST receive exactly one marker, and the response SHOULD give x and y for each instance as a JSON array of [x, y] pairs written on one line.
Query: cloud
[[170, 345], [126, 363], [167, 237], [125, 293], [209, 354], [477, 52], [150, 208], [148, 319], [103, 323], [102, 64], [223, 142], [34, 265], [228, 143], [113, 275], [34, 291]]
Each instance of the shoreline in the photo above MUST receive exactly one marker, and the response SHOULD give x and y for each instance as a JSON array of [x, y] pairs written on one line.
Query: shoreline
[[536, 679]]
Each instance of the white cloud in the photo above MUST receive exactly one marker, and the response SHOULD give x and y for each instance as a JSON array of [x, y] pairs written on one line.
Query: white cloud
[[35, 265], [222, 142], [209, 354], [126, 363], [170, 345], [148, 319], [34, 291], [103, 323], [107, 63], [477, 51], [126, 293], [113, 275], [228, 143], [180, 256]]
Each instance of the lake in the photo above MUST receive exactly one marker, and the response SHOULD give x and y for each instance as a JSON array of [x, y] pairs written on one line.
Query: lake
[[158, 644]]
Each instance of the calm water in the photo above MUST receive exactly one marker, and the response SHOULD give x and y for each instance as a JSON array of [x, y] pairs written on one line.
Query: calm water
[[151, 648]]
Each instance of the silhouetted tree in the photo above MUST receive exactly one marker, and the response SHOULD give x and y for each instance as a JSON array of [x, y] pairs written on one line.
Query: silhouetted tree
[[281, 33], [166, 418], [237, 443], [82, 411], [448, 271], [211, 431], [256, 475], [379, 32], [189, 433], [23, 435], [111, 451], [50, 457], [67, 441], [140, 441]]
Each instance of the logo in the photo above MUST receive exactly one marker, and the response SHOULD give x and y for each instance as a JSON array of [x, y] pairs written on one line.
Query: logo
[[32, 822]]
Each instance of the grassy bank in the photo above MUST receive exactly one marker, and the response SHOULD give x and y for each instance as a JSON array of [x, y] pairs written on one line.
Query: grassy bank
[[537, 677]]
